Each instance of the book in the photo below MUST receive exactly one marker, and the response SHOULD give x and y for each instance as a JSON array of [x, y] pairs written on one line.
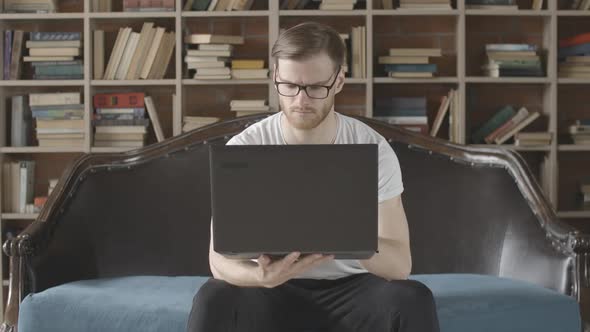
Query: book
[[530, 118], [153, 114], [442, 111]]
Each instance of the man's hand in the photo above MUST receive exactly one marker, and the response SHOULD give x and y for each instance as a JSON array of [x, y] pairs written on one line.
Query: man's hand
[[271, 274]]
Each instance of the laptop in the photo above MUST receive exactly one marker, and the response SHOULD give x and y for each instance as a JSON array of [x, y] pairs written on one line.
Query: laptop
[[277, 199]]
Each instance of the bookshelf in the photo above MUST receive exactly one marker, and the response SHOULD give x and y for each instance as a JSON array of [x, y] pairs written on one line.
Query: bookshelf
[[460, 33]]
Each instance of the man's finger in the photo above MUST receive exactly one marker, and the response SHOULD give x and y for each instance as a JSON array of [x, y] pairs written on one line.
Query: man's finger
[[289, 260], [263, 261]]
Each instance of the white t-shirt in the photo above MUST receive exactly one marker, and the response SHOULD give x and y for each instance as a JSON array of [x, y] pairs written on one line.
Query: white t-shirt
[[349, 131]]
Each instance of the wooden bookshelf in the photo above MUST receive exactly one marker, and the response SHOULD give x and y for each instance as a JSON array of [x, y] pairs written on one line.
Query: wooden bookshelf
[[459, 32]]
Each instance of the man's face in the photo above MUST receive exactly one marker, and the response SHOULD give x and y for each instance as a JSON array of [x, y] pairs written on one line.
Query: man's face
[[301, 111]]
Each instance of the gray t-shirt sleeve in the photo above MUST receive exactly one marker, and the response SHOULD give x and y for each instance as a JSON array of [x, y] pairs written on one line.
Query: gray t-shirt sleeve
[[390, 175]]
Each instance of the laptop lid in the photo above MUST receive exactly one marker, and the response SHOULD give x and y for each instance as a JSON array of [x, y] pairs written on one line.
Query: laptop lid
[[276, 199]]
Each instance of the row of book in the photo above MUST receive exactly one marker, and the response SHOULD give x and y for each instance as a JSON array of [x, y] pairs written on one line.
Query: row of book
[[210, 55], [580, 131], [18, 185], [410, 62], [500, 4], [580, 4], [509, 60], [218, 5], [30, 6], [503, 125], [574, 56], [135, 55], [148, 5]]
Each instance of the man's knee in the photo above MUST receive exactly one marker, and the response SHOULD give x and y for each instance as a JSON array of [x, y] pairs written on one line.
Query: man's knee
[[215, 293], [411, 293]]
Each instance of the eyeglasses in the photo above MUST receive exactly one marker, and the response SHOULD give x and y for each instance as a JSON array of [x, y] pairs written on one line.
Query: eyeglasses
[[313, 91]]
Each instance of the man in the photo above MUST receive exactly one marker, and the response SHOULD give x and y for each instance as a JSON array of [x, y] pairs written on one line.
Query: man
[[316, 292]]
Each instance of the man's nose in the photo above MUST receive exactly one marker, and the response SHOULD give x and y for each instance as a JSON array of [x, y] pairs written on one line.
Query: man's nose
[[302, 98]]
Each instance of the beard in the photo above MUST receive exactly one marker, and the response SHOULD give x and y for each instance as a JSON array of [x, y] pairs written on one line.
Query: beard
[[309, 120]]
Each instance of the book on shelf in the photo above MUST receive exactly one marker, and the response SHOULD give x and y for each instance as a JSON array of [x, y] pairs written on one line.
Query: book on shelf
[[119, 119], [533, 138], [491, 4], [194, 122], [445, 105], [410, 62], [21, 122], [496, 120], [139, 55], [425, 4], [580, 132], [153, 114], [210, 59], [520, 115], [148, 5], [580, 5], [518, 127], [358, 48], [574, 56], [407, 112], [585, 194], [101, 5], [510, 60], [30, 6], [337, 4], [243, 107], [59, 119], [18, 185], [217, 5]]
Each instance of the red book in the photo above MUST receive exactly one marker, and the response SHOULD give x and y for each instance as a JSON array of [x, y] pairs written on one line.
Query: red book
[[129, 4], [119, 100], [575, 40]]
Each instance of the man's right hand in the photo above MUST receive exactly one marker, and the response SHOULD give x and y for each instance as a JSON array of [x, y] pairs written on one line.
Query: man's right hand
[[271, 274]]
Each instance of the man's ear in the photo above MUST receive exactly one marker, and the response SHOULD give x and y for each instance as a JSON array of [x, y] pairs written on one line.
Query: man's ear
[[339, 82]]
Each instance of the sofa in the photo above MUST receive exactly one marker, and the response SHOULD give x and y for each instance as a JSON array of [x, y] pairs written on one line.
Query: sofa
[[122, 243]]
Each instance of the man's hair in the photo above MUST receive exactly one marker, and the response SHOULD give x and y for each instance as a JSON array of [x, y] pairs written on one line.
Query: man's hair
[[308, 39]]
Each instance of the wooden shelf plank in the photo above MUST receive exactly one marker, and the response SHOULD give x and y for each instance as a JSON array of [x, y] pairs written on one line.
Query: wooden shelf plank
[[304, 12], [508, 80], [19, 216], [574, 214], [126, 15], [573, 13], [415, 12], [37, 149], [573, 147], [507, 12], [47, 16], [513, 147], [111, 150], [132, 82], [573, 80], [416, 80], [242, 13], [34, 83], [224, 82]]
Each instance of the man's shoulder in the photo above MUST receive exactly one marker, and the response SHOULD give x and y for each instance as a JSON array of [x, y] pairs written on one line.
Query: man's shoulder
[[359, 131], [256, 132]]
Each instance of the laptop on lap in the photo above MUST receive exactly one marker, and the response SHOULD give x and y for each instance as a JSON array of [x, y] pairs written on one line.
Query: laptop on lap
[[276, 199]]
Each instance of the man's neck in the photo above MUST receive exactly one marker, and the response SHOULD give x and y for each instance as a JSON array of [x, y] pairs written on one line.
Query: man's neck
[[324, 133]]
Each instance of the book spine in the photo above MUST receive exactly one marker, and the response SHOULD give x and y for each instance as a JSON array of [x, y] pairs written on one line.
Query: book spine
[[7, 53], [120, 100], [36, 36]]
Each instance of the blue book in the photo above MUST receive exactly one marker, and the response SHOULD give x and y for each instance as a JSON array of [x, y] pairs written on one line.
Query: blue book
[[55, 36], [581, 49], [400, 112], [401, 102], [421, 68], [511, 48]]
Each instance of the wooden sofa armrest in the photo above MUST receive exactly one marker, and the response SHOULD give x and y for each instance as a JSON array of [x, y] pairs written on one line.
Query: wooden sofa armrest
[[14, 287]]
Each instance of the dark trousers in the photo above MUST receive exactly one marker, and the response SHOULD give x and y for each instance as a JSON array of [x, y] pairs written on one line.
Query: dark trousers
[[359, 303]]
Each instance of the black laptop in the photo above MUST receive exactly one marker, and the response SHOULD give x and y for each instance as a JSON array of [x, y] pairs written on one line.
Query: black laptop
[[276, 199]]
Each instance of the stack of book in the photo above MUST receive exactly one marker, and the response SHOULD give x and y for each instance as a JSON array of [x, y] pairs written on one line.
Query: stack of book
[[101, 6], [248, 69], [533, 139], [18, 178], [148, 5], [135, 55], [59, 118], [585, 192], [194, 122], [218, 5], [425, 4], [119, 120], [358, 51], [55, 55], [336, 4], [410, 62], [580, 132], [30, 6], [210, 58], [580, 5], [407, 112], [504, 60], [574, 56], [503, 125], [491, 4], [248, 107]]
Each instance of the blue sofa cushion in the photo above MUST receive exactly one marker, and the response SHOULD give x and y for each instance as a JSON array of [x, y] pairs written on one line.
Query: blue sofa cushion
[[465, 303]]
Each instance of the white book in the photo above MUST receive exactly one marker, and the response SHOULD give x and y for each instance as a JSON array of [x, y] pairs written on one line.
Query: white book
[[153, 114], [127, 56]]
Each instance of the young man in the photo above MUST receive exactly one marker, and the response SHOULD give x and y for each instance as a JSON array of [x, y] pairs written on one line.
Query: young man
[[317, 292]]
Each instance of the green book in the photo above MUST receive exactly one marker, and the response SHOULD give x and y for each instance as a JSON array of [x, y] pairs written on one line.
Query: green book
[[498, 119]]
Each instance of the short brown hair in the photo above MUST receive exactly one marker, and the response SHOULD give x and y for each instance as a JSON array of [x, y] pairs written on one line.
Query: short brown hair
[[308, 39]]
